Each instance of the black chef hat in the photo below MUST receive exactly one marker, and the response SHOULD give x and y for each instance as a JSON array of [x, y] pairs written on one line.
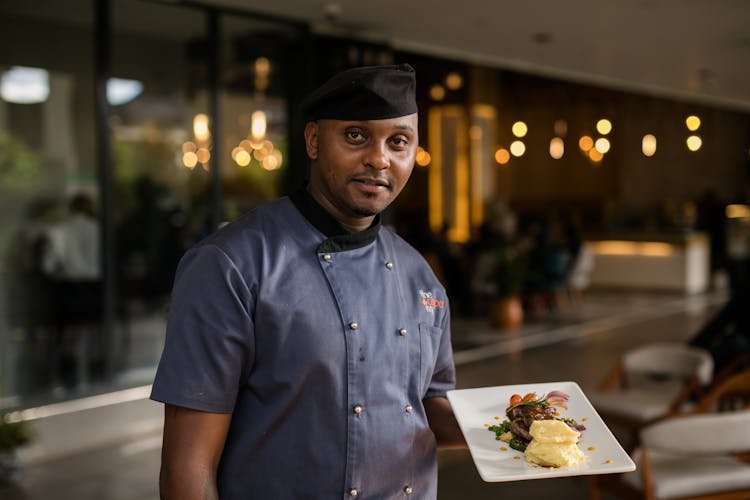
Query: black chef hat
[[365, 93]]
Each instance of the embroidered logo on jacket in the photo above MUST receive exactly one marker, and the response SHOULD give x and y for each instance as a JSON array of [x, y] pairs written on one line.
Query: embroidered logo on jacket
[[429, 302]]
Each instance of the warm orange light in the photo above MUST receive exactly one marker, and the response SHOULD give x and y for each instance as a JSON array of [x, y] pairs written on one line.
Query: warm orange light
[[266, 146], [595, 155], [645, 248], [203, 155], [475, 133], [262, 65], [272, 161], [200, 127], [737, 211], [242, 158], [556, 148], [560, 127], [586, 143], [422, 158], [437, 92], [648, 145], [190, 160], [454, 81], [258, 125], [260, 154], [502, 156]]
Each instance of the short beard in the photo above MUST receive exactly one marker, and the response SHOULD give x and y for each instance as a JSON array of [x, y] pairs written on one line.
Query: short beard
[[364, 211]]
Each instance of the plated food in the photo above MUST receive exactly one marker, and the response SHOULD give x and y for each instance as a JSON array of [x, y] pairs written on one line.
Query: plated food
[[480, 408], [535, 426]]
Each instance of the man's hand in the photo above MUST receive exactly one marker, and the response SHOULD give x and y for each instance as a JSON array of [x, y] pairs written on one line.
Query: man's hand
[[193, 442], [443, 423]]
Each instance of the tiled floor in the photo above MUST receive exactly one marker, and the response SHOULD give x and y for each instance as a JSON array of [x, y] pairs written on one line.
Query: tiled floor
[[577, 344]]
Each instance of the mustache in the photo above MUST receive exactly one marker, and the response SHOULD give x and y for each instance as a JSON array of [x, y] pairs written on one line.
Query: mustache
[[374, 178]]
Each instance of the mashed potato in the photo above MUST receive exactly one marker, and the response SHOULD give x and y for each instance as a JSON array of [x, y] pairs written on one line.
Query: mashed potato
[[554, 444]]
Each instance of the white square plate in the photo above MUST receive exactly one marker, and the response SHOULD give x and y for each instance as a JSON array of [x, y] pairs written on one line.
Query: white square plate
[[477, 408]]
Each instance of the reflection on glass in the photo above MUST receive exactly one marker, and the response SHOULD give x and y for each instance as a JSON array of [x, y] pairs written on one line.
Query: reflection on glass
[[50, 272], [258, 125], [121, 90], [24, 85], [200, 127]]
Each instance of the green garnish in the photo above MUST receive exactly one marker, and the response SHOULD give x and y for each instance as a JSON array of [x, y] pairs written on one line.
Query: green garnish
[[499, 429], [517, 445]]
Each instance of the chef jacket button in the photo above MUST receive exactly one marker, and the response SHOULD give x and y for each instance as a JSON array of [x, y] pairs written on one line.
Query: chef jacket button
[[408, 409], [408, 490], [327, 257], [353, 492], [357, 409], [353, 325], [402, 332], [389, 265]]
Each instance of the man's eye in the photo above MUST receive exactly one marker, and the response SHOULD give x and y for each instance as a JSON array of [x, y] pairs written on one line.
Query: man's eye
[[354, 135], [399, 141]]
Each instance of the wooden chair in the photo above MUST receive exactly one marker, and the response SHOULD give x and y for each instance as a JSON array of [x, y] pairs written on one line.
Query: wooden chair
[[693, 457], [733, 393], [688, 457], [649, 383]]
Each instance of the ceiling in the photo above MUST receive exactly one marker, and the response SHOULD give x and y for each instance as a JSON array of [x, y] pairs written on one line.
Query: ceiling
[[691, 50]]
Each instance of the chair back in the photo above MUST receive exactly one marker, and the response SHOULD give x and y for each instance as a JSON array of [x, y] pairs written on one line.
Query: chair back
[[731, 394], [671, 360], [704, 434]]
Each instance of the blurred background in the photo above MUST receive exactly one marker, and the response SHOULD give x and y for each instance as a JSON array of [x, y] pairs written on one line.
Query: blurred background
[[577, 161]]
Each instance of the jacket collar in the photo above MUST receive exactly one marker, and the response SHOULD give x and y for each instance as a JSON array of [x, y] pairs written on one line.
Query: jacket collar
[[339, 238]]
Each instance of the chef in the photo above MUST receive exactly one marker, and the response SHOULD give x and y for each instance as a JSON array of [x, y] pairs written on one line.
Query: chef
[[308, 348]]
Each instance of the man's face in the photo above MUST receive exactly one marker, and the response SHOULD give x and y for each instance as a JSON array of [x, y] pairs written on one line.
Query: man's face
[[359, 167]]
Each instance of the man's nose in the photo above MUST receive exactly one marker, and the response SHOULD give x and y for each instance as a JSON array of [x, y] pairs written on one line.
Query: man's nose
[[377, 156]]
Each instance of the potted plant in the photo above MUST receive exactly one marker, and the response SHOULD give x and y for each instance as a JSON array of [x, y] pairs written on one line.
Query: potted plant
[[13, 435], [508, 276]]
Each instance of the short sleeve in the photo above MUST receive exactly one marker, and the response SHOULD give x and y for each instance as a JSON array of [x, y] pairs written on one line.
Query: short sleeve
[[209, 345], [444, 374]]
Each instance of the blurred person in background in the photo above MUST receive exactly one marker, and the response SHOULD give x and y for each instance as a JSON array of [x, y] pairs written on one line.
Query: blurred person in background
[[71, 260]]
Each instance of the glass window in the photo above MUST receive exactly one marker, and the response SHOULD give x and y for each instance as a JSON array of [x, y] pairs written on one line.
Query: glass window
[[253, 109], [161, 156], [167, 158], [50, 297]]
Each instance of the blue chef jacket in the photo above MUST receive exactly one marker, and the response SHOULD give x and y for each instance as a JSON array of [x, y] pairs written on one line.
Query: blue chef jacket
[[322, 344]]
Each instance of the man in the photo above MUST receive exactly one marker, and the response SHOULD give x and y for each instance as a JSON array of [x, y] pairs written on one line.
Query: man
[[308, 349]]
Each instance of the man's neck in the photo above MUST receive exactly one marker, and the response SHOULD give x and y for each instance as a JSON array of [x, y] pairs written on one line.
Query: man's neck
[[353, 224]]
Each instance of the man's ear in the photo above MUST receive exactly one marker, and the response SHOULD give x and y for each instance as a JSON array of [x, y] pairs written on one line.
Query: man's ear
[[311, 140]]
